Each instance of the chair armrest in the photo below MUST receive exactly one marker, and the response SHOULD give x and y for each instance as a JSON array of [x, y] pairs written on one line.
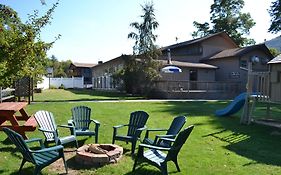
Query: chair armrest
[[153, 129], [118, 126], [70, 122], [96, 122], [154, 147], [33, 140], [141, 129], [54, 148], [159, 137], [167, 139]]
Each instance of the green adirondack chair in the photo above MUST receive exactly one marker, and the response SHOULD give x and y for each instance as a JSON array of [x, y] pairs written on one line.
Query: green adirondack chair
[[135, 127], [47, 125], [40, 158], [81, 120], [156, 157], [171, 133]]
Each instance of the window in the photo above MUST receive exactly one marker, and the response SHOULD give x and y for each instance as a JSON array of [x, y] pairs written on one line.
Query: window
[[243, 63]]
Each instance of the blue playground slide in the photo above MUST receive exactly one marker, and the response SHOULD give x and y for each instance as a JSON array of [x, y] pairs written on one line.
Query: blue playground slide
[[233, 107]]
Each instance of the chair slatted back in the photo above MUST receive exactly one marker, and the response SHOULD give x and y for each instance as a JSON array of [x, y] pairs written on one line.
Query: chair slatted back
[[175, 127], [137, 120], [180, 140], [18, 140], [45, 120], [81, 116]]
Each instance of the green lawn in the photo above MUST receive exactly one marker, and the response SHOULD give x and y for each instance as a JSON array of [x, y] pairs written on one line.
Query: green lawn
[[216, 145], [79, 94]]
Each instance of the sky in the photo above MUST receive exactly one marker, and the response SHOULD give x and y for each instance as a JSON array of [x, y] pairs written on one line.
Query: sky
[[97, 30]]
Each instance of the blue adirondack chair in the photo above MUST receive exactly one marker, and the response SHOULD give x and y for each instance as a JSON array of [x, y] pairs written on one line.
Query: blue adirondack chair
[[81, 120], [135, 127], [171, 133], [40, 158], [47, 125], [156, 157]]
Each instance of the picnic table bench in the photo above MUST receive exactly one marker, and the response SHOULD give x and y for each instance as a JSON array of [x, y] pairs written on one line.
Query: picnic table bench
[[9, 119]]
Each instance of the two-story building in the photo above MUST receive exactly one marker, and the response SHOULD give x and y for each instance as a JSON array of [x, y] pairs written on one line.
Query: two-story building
[[212, 66]]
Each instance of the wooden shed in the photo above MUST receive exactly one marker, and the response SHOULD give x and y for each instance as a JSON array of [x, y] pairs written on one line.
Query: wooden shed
[[275, 78]]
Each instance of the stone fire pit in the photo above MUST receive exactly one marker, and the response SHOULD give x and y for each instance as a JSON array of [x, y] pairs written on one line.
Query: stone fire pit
[[98, 154]]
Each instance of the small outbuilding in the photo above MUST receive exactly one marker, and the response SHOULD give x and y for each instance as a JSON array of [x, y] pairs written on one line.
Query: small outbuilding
[[275, 78]]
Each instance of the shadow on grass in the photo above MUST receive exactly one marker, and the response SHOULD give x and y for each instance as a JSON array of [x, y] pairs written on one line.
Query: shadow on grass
[[255, 142]]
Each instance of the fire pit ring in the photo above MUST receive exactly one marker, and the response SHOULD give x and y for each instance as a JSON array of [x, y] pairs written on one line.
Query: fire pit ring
[[98, 154]]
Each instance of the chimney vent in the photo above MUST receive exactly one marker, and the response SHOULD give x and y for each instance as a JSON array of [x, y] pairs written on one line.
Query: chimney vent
[[169, 57]]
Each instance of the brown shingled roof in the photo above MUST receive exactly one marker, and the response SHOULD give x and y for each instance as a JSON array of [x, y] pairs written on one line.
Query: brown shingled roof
[[191, 65], [84, 65], [238, 52], [185, 43]]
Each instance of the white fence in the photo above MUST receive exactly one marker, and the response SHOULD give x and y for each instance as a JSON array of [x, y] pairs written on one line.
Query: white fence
[[74, 82]]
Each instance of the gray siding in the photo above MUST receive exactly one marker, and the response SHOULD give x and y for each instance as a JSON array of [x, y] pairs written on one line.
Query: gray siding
[[275, 82]]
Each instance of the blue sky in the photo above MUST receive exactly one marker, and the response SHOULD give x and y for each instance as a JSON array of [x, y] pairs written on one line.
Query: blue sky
[[96, 30]]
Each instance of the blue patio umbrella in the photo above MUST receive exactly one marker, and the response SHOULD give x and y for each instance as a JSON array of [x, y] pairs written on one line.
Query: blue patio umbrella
[[171, 69]]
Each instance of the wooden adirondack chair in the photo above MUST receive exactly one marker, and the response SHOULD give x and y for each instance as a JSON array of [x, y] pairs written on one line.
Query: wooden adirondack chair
[[156, 157], [81, 120], [171, 133], [47, 125], [40, 158], [135, 127]]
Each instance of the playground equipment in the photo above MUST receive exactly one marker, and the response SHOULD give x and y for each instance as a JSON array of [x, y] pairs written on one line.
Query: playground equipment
[[258, 82], [233, 107]]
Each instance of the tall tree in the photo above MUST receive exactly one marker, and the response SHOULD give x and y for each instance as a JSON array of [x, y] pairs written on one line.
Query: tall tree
[[226, 16], [275, 13], [22, 51], [142, 68], [144, 37]]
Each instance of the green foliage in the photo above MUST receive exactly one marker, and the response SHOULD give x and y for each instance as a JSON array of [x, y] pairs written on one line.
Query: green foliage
[[227, 16], [60, 68], [275, 13], [144, 38], [274, 51], [22, 51], [142, 68]]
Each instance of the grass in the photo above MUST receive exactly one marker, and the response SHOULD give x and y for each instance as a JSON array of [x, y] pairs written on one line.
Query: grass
[[216, 145], [57, 95]]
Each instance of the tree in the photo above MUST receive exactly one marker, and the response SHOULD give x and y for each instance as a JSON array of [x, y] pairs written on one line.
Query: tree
[[142, 69], [60, 67], [275, 52], [275, 13], [22, 51], [226, 16]]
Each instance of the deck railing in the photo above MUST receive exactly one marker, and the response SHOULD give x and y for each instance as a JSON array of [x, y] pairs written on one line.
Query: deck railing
[[199, 86]]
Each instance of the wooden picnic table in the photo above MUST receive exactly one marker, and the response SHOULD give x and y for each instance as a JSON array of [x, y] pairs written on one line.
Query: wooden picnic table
[[9, 119]]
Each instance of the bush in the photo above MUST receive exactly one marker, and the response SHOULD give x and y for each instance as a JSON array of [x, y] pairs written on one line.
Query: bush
[[61, 86]]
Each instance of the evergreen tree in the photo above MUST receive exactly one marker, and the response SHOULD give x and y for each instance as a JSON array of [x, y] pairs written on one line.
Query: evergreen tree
[[275, 13], [142, 69]]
